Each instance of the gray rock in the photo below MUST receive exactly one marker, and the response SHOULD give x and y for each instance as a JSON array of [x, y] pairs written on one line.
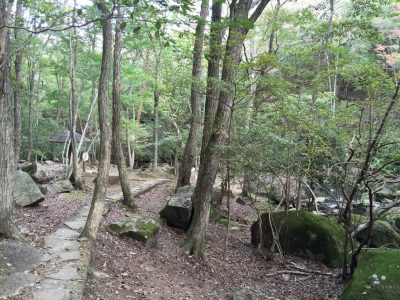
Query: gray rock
[[75, 225], [18, 257], [65, 274], [138, 227], [385, 193], [57, 187], [383, 235], [57, 244], [68, 256], [11, 284], [66, 233], [41, 173], [178, 211], [25, 190], [52, 294]]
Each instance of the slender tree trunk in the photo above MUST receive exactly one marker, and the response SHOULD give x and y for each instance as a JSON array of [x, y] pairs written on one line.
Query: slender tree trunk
[[191, 144], [32, 76], [212, 93], [18, 84], [116, 124], [7, 160], [75, 178], [156, 103], [97, 207], [195, 240]]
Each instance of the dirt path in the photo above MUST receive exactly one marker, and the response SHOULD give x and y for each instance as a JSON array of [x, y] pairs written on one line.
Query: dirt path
[[131, 271]]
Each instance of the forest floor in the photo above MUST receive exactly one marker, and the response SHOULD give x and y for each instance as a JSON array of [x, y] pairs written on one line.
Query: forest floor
[[122, 268]]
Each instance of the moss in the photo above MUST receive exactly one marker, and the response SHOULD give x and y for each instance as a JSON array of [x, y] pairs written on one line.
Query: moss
[[304, 234], [383, 235], [377, 276], [147, 228], [393, 219]]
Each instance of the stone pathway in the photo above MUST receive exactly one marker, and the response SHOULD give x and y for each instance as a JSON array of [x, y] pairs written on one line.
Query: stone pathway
[[67, 258]]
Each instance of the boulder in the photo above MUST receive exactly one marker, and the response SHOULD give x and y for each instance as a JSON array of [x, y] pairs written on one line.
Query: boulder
[[383, 235], [178, 211], [385, 193], [56, 187], [41, 173], [377, 276], [138, 227], [25, 191], [304, 234], [393, 218]]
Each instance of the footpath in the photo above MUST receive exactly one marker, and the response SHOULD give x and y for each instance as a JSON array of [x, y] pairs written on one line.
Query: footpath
[[67, 258]]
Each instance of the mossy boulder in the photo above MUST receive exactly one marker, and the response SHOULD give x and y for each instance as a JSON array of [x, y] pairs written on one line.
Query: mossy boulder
[[376, 277], [138, 227], [393, 218], [178, 211], [383, 235], [304, 234]]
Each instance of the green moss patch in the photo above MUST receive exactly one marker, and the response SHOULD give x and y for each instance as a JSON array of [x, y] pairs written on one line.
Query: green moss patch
[[304, 234], [137, 227], [377, 276]]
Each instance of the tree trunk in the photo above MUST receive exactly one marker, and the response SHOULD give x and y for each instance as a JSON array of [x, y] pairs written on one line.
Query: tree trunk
[[75, 178], [116, 123], [212, 92], [156, 103], [7, 160], [191, 144], [194, 242], [32, 76], [18, 84], [97, 207]]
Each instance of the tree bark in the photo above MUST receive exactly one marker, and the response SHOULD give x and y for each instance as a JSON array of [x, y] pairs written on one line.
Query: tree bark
[[191, 144], [97, 207], [7, 160], [32, 76], [156, 103], [212, 92], [195, 239], [75, 177], [18, 84], [116, 124]]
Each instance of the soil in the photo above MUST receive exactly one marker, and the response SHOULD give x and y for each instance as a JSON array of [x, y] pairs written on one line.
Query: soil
[[131, 271]]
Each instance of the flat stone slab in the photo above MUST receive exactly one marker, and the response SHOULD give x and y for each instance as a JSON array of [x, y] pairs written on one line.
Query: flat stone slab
[[11, 284], [66, 233], [17, 257], [65, 274], [56, 244], [75, 225], [52, 294], [67, 256]]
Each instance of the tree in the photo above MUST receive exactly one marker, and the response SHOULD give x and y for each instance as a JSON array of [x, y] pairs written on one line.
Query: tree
[[7, 161], [191, 144], [116, 123], [97, 206], [238, 29], [76, 179], [18, 83], [212, 93]]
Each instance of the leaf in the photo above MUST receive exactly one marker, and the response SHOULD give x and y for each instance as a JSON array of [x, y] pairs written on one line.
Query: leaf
[[79, 12], [246, 24], [122, 26]]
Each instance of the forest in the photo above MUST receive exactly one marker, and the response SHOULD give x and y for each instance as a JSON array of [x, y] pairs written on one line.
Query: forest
[[208, 149]]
